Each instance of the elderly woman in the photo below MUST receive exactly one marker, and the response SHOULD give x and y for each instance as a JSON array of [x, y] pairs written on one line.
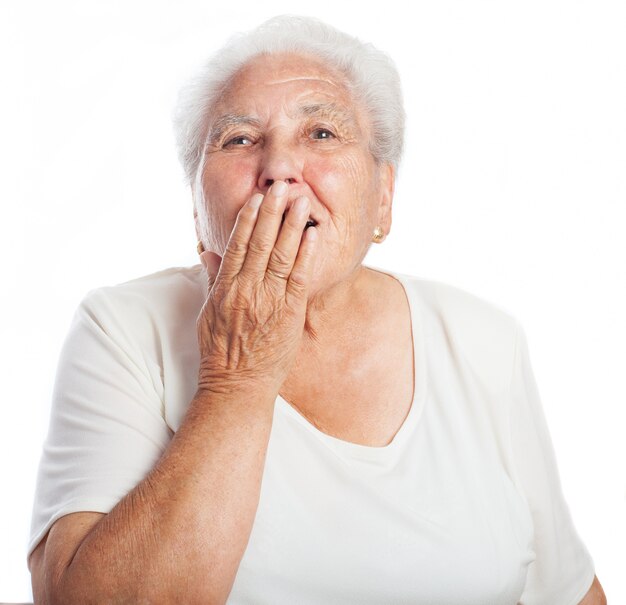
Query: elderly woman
[[282, 423]]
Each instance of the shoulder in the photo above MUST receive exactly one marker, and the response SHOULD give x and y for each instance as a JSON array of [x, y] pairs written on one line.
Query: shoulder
[[457, 307], [154, 303], [479, 334], [155, 292]]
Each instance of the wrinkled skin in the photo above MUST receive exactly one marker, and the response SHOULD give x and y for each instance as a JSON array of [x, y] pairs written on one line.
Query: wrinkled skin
[[248, 326]]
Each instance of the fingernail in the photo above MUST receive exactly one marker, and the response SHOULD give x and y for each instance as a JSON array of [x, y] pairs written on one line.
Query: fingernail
[[279, 188], [256, 200]]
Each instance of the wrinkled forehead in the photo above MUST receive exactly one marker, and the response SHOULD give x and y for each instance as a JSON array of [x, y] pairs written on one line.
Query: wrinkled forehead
[[310, 86], [279, 68]]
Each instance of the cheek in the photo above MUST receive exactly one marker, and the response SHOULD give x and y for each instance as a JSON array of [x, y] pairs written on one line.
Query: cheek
[[228, 182], [340, 174], [227, 187], [343, 185]]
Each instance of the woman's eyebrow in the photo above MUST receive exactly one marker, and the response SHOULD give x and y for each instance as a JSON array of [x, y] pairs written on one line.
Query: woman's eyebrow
[[331, 110], [328, 110], [226, 121]]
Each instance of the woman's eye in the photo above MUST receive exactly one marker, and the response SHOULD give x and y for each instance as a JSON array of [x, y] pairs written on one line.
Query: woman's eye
[[322, 133], [238, 141]]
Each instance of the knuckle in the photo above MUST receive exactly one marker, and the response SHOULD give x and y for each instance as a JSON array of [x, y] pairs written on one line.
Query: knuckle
[[239, 300], [271, 210], [297, 285], [279, 259], [236, 247], [293, 220], [258, 247]]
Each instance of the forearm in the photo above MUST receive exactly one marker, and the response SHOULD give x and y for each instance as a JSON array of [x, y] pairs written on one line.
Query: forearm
[[179, 536]]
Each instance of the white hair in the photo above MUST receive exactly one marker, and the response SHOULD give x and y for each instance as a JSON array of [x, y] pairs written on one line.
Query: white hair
[[371, 76]]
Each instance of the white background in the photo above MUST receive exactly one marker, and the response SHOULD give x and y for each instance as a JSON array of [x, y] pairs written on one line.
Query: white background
[[513, 187]]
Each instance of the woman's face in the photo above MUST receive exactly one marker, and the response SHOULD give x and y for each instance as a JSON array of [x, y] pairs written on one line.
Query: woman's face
[[287, 117]]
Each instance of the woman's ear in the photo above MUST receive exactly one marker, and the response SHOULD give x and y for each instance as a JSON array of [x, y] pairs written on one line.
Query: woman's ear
[[387, 187]]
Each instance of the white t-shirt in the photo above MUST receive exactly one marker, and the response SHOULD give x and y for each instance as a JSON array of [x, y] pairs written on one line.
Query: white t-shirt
[[463, 507]]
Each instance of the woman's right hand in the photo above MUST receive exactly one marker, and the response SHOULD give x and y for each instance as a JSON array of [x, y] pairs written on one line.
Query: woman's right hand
[[251, 324]]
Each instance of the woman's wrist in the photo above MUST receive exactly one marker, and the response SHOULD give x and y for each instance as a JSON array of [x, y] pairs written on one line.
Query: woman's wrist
[[235, 386]]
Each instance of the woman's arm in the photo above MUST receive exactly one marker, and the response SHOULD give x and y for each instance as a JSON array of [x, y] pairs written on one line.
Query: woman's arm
[[180, 534], [596, 595]]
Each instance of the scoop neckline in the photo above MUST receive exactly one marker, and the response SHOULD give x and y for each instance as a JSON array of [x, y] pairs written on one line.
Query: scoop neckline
[[377, 453]]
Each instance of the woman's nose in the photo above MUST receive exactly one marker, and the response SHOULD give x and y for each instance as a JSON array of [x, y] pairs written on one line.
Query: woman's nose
[[280, 162]]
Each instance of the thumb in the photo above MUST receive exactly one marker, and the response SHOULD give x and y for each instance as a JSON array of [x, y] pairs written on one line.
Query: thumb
[[211, 262]]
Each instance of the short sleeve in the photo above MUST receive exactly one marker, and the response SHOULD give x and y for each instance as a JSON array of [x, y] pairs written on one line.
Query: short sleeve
[[107, 427], [563, 569]]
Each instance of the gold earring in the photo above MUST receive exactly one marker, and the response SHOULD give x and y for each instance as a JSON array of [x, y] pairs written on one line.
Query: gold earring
[[378, 235], [200, 248]]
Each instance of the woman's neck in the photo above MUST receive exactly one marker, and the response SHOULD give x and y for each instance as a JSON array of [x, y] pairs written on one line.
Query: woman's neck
[[340, 329], [328, 310], [345, 308]]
